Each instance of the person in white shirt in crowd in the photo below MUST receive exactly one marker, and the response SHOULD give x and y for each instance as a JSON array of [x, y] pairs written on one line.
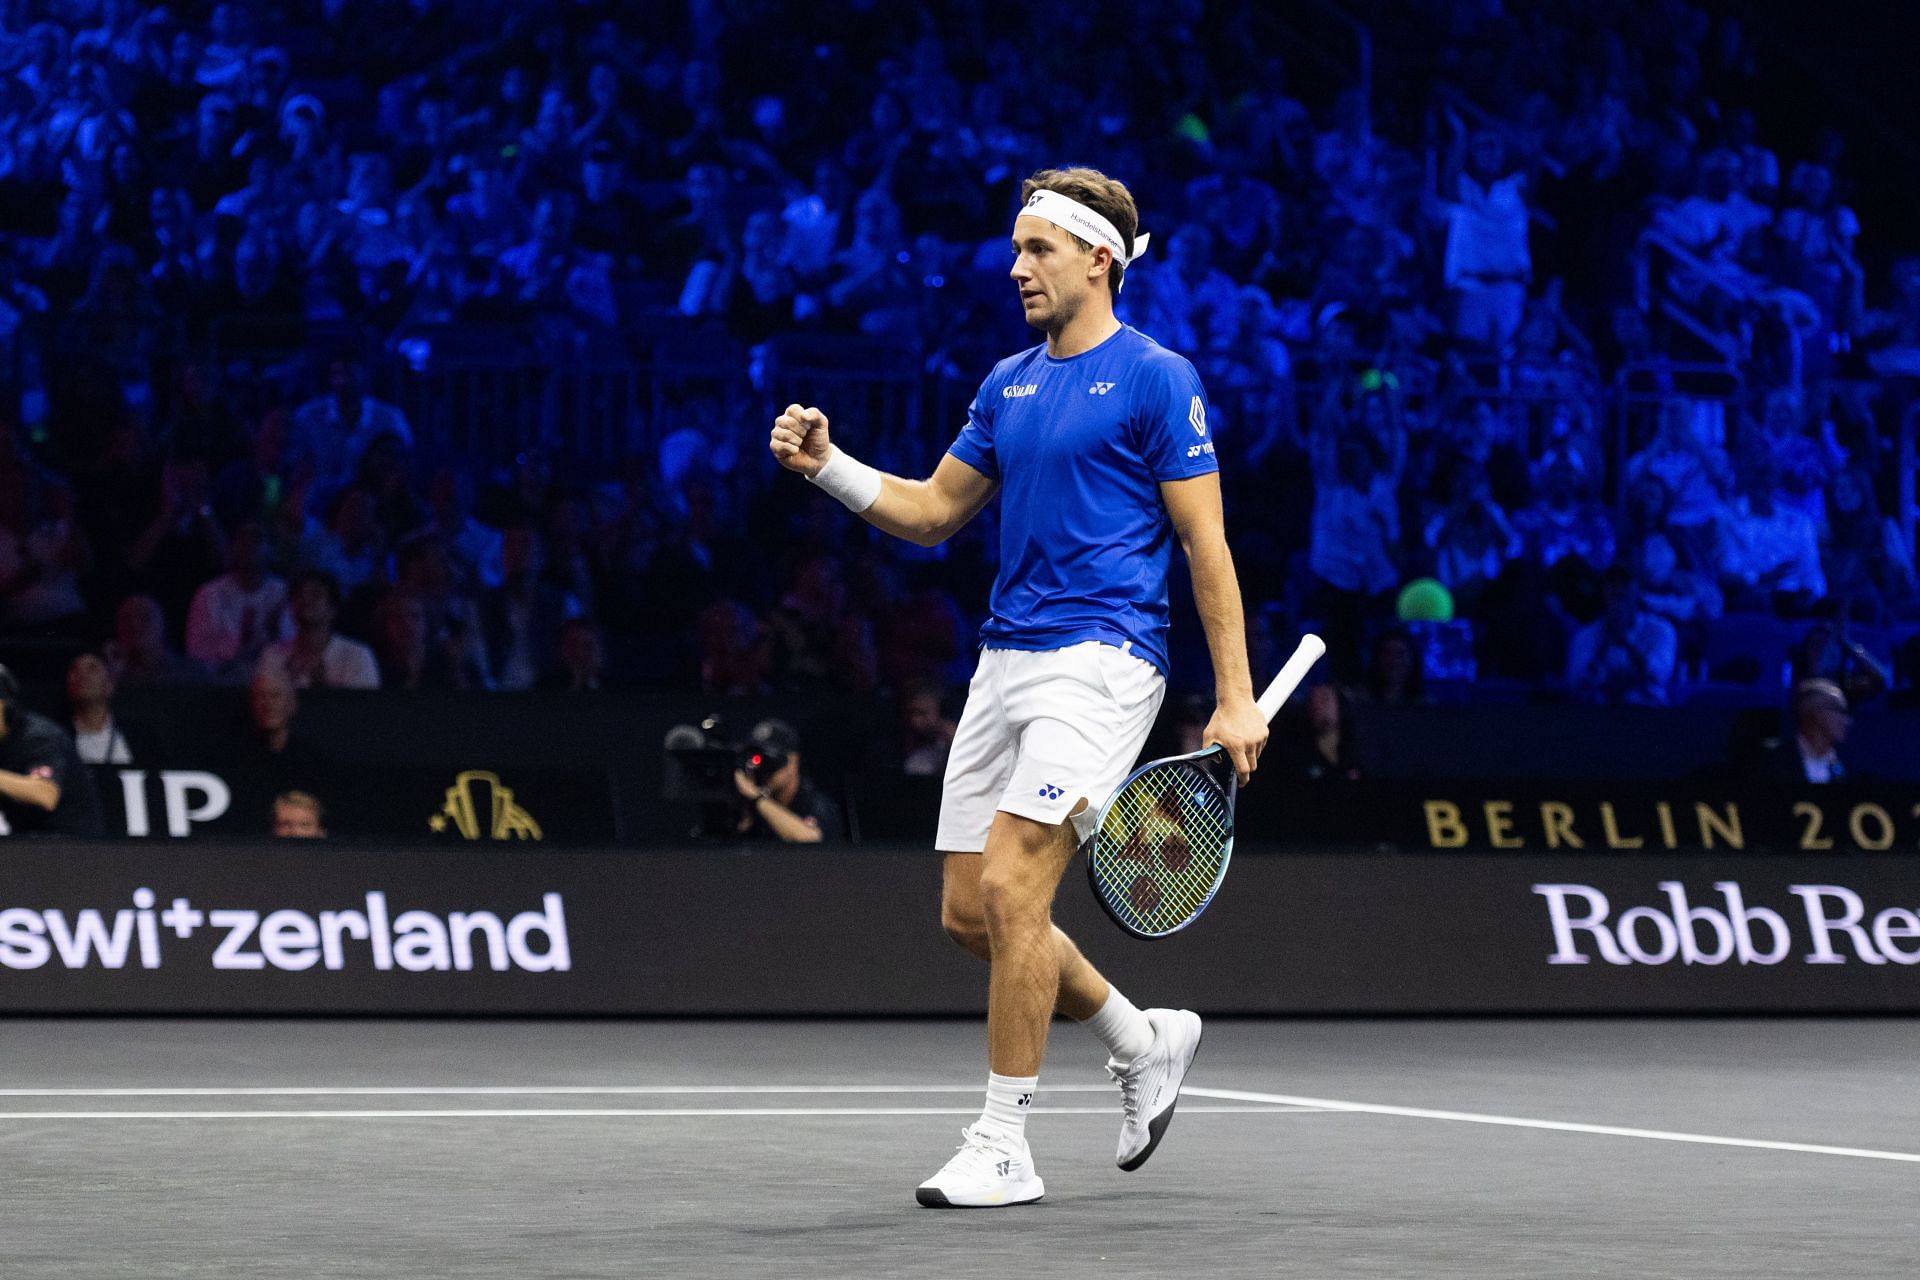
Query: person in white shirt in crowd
[[96, 736], [315, 656], [334, 429], [237, 615], [1487, 263], [1627, 655], [1768, 548]]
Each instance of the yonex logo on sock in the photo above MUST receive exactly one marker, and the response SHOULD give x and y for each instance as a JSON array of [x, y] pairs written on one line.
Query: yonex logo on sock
[[1026, 1099], [1050, 792]]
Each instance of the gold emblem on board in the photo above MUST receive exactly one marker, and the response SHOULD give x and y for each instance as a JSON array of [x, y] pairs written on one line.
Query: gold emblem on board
[[478, 791]]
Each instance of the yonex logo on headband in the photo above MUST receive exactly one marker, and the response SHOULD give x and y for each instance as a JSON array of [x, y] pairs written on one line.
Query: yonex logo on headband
[[1071, 216]]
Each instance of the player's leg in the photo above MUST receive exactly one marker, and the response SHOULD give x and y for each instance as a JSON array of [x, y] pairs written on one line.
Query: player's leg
[[1083, 727], [993, 1165], [1019, 872], [1083, 991]]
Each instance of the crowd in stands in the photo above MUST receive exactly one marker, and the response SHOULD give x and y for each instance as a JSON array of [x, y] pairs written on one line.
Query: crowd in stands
[[1408, 299]]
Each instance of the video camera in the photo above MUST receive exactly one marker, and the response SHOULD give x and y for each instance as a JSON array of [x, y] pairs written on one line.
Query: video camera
[[701, 759]]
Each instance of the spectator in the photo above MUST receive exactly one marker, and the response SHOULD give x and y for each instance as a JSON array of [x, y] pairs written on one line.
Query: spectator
[[926, 734], [97, 738], [235, 616], [781, 803], [579, 659], [402, 645], [331, 431], [298, 815], [352, 547], [1811, 753], [1471, 540], [1186, 293], [138, 654], [1628, 655], [1770, 552], [1315, 741], [521, 617], [1396, 677], [44, 790], [1487, 263], [1866, 562], [315, 656]]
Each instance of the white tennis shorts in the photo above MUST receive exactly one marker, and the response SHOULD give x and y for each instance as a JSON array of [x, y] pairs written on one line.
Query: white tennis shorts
[[1042, 732]]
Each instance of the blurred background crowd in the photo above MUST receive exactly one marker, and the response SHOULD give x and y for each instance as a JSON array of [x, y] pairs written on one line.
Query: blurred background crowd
[[435, 344]]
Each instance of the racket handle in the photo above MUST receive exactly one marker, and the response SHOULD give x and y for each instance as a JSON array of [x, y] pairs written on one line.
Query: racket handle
[[1270, 702]]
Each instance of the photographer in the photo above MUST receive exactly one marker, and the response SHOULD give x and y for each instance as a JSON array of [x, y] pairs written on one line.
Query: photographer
[[781, 805]]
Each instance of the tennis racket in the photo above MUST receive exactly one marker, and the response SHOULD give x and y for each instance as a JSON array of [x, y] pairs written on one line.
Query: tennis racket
[[1166, 836]]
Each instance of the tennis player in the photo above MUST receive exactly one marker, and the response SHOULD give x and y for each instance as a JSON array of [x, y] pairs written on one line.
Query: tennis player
[[1097, 441]]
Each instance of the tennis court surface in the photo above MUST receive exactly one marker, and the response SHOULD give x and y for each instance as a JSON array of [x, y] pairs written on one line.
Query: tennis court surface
[[694, 1149]]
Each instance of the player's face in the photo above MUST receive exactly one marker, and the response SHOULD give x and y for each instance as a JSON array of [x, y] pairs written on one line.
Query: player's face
[[1051, 272]]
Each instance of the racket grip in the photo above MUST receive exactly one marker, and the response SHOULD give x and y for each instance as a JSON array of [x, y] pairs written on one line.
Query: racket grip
[[1270, 702]]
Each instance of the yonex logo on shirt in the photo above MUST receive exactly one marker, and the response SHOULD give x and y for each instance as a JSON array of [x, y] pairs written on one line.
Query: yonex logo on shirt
[[1014, 393], [1051, 792], [1099, 388]]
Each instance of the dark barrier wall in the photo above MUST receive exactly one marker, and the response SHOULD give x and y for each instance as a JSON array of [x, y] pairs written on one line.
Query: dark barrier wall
[[290, 928]]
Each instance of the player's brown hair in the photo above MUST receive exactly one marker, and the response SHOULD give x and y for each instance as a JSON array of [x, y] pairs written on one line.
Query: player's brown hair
[[1105, 196]]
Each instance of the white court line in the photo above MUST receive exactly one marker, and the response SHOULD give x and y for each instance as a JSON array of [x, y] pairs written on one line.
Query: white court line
[[508, 1090], [548, 1113], [1562, 1126]]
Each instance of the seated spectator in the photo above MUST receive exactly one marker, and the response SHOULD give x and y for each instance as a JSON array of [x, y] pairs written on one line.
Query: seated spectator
[[580, 659], [1769, 552], [1671, 591], [96, 736], [299, 815], [1867, 562], [781, 802], [235, 616], [1811, 752], [1471, 539], [408, 656], [1628, 655], [1396, 677], [926, 734], [352, 547], [1829, 652], [521, 617], [1315, 739], [183, 545], [1689, 461], [315, 656], [139, 654], [334, 429], [1355, 534], [1564, 521]]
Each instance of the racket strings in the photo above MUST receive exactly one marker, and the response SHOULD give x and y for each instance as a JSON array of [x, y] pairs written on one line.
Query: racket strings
[[1162, 847]]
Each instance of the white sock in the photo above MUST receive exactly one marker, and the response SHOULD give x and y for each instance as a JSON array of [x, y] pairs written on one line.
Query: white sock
[[1121, 1027], [1008, 1100]]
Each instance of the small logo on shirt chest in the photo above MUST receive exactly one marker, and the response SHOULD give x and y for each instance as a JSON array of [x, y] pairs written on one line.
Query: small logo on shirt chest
[[1100, 388], [1014, 393]]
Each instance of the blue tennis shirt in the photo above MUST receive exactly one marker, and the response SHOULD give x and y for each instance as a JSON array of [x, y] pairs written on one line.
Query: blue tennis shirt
[[1079, 447]]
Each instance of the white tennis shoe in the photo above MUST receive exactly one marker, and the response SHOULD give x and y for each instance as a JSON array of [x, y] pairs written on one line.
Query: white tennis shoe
[[990, 1169], [1150, 1084]]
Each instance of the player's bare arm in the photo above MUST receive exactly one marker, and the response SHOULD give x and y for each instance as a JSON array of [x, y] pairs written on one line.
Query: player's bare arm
[[926, 512], [1200, 523]]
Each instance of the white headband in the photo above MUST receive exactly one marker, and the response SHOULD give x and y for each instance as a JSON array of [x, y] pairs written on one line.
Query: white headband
[[1075, 218]]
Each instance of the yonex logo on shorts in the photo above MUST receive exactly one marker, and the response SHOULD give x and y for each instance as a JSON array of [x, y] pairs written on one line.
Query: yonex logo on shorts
[[1051, 792]]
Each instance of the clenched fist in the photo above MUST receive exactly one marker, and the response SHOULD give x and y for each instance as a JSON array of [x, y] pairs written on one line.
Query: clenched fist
[[799, 441]]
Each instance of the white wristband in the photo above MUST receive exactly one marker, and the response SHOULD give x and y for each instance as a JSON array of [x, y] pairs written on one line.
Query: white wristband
[[853, 482]]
